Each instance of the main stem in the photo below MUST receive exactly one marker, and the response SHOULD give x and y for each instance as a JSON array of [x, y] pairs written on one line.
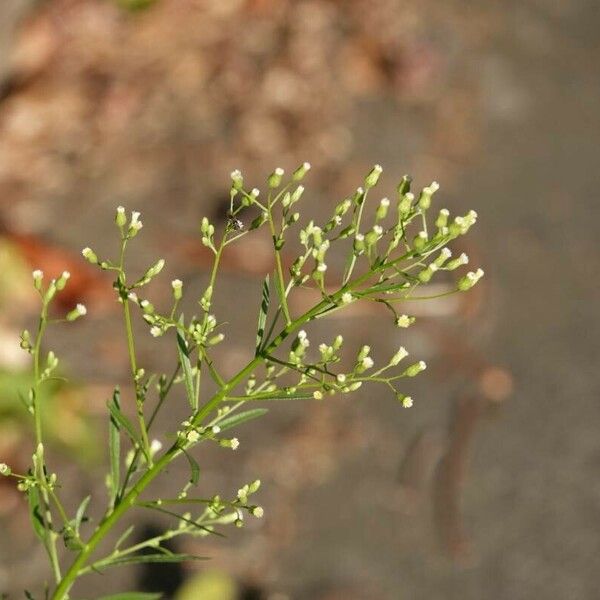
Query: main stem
[[50, 535]]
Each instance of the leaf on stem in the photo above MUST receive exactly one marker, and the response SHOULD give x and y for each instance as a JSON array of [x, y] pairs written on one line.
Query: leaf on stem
[[80, 515], [114, 448], [195, 469], [37, 521], [262, 315], [132, 596], [123, 423], [238, 419], [184, 360]]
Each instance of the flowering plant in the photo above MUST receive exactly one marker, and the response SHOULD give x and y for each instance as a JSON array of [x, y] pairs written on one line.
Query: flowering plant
[[386, 262]]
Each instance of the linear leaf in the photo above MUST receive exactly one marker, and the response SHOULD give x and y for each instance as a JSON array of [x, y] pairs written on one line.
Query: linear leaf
[[124, 536], [79, 516], [184, 360], [262, 314], [37, 521], [280, 395], [195, 469], [132, 596], [114, 448], [238, 419], [124, 423], [149, 558]]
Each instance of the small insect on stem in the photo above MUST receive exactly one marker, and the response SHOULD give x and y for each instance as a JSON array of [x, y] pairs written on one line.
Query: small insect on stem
[[234, 222]]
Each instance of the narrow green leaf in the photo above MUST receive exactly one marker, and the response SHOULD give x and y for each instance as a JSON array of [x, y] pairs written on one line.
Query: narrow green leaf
[[262, 314], [124, 423], [114, 448], [132, 596], [239, 418], [278, 395], [184, 360], [80, 515], [37, 521], [195, 476], [124, 536], [149, 558]]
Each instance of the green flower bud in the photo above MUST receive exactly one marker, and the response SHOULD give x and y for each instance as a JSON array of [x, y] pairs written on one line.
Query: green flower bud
[[274, 179], [382, 209], [463, 259], [469, 280], [5, 469], [213, 341], [177, 286], [426, 274], [90, 256], [405, 204], [301, 171], [404, 186], [442, 257], [79, 311], [38, 277], [415, 369], [120, 217], [400, 355], [61, 282], [359, 243], [135, 224], [237, 181], [419, 241], [426, 194], [442, 219], [373, 177]]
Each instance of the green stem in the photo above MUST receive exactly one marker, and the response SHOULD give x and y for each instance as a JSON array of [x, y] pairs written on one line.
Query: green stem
[[50, 536]]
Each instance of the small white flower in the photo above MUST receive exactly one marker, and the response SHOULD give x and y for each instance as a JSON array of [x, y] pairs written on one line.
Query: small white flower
[[81, 309], [192, 436], [234, 443], [257, 512], [385, 202], [322, 268], [38, 274], [156, 331], [341, 378], [404, 321], [176, 284], [407, 402], [155, 446], [279, 171], [347, 298], [318, 395], [255, 192], [367, 362], [215, 429]]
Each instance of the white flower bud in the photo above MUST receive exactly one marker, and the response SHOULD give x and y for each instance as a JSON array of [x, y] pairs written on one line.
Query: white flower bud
[[177, 286], [38, 276], [401, 354], [89, 255], [79, 311], [120, 217], [373, 177], [61, 282]]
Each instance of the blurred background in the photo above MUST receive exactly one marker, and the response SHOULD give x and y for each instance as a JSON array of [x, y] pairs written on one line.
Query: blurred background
[[489, 486]]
